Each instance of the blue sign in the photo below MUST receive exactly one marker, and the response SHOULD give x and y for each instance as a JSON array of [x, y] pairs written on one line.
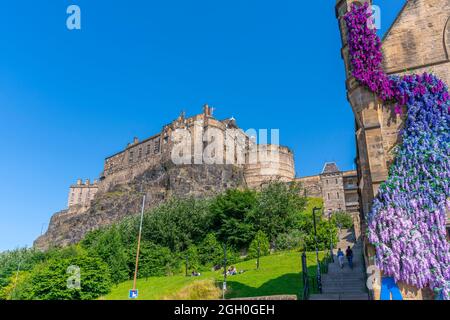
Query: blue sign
[[133, 294], [388, 287]]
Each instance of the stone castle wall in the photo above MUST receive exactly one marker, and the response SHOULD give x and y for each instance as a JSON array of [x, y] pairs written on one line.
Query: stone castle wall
[[275, 163], [81, 194]]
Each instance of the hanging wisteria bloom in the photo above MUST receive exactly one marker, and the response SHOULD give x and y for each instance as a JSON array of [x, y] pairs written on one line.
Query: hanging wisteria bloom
[[408, 217]]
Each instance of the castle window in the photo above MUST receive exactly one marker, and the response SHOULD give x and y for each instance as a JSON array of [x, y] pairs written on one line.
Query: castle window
[[327, 181], [131, 157], [148, 149], [337, 194], [140, 153], [336, 181], [156, 147], [328, 195]]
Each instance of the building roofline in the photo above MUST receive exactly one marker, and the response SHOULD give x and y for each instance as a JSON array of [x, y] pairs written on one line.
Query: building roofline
[[134, 145], [388, 31]]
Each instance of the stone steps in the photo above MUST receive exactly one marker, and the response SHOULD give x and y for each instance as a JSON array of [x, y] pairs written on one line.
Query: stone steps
[[340, 290], [344, 283], [333, 296]]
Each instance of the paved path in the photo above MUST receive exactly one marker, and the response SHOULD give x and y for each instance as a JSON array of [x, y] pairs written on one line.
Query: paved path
[[344, 284]]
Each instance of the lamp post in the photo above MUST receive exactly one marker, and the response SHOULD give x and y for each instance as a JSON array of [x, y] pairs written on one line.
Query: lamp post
[[319, 279], [259, 253], [331, 237], [224, 286]]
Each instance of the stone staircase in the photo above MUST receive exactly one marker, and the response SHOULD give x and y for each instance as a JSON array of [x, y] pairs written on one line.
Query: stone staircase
[[344, 284]]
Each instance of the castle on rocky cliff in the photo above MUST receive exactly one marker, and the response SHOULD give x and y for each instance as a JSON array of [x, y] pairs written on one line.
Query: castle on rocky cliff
[[191, 156]]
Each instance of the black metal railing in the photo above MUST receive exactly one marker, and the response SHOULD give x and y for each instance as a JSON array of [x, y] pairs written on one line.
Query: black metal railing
[[311, 283]]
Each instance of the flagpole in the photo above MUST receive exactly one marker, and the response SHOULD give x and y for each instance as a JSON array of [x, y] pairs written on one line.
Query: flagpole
[[139, 244]]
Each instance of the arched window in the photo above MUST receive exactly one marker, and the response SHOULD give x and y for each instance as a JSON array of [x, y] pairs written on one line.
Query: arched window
[[447, 38]]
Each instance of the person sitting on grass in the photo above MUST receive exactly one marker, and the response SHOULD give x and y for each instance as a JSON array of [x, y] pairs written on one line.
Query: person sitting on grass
[[195, 273], [232, 271]]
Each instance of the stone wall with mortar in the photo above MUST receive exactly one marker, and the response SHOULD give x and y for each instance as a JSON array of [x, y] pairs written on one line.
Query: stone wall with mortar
[[417, 41]]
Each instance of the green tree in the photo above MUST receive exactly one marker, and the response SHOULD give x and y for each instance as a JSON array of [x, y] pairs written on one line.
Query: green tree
[[193, 258], [10, 261], [154, 260], [49, 280], [260, 241], [326, 231], [178, 223], [231, 212], [210, 251], [278, 208], [19, 287], [107, 244]]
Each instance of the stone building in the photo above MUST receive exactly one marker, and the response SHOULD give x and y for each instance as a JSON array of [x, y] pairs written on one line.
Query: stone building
[[196, 156], [81, 194], [418, 41], [261, 162], [338, 189]]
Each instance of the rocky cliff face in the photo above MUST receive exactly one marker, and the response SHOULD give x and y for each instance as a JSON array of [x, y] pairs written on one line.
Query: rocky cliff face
[[158, 182]]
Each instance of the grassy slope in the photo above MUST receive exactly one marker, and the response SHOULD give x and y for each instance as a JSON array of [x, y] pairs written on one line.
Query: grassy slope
[[278, 274]]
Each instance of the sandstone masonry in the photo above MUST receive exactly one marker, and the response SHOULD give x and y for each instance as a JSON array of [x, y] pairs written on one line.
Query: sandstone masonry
[[418, 41]]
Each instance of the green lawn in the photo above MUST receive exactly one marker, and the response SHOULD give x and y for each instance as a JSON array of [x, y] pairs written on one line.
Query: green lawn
[[279, 273]]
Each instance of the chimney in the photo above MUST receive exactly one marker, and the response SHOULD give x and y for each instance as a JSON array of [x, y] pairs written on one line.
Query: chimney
[[88, 182], [79, 182], [207, 110], [135, 140]]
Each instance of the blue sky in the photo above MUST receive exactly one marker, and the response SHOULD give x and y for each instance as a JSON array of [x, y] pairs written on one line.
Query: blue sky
[[68, 98]]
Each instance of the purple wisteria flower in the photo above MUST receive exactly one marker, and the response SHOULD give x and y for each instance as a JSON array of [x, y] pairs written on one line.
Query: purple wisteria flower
[[408, 217]]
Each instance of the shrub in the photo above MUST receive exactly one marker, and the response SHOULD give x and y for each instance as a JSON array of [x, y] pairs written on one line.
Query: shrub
[[198, 290], [342, 219], [291, 240]]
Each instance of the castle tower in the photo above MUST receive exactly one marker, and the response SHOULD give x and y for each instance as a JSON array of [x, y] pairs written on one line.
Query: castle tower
[[371, 159], [370, 155]]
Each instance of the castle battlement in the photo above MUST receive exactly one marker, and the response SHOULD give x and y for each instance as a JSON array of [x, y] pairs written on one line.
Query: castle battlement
[[82, 193], [139, 155]]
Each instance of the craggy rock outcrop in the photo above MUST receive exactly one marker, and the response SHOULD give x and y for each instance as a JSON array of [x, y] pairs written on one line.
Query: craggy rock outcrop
[[119, 201]]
